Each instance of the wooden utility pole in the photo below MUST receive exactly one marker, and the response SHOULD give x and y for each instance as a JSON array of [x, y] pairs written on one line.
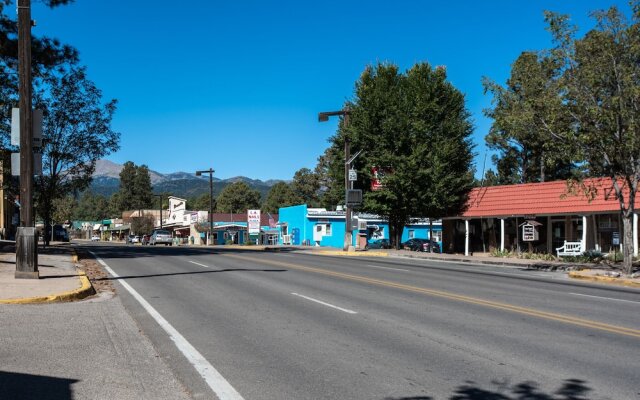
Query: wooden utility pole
[[348, 240], [26, 243]]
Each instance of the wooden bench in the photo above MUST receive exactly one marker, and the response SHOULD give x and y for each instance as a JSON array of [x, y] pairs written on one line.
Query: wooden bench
[[569, 249]]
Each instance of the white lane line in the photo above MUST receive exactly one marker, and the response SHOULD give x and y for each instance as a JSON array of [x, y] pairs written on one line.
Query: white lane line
[[392, 269], [325, 304], [202, 265], [605, 298], [220, 386]]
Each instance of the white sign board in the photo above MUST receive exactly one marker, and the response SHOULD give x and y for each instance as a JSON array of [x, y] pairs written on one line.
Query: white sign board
[[529, 233], [353, 175], [253, 221], [37, 127]]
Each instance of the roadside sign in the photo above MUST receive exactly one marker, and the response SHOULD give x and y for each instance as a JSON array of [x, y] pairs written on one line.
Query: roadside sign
[[37, 127], [353, 175], [15, 164], [615, 238]]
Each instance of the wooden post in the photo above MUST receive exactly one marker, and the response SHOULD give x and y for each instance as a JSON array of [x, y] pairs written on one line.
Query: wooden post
[[466, 237], [26, 243]]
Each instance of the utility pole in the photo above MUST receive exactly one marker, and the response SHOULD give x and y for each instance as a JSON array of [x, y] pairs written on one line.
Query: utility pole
[[323, 117], [26, 243], [348, 239], [210, 171]]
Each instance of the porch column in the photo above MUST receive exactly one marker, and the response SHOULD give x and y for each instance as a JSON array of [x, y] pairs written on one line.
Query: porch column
[[501, 234], [549, 235], [635, 235], [466, 237], [585, 224]]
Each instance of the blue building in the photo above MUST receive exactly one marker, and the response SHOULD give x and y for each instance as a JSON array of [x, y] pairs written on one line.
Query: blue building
[[300, 225]]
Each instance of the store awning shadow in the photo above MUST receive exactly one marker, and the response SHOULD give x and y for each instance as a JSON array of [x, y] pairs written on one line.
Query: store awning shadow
[[15, 385]]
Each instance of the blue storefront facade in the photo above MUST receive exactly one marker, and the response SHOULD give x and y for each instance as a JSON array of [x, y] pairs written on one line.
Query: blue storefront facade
[[301, 225]]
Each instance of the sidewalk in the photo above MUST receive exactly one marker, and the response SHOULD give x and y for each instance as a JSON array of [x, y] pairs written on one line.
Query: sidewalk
[[60, 280]]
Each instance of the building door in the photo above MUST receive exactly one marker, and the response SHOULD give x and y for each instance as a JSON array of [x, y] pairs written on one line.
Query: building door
[[558, 234]]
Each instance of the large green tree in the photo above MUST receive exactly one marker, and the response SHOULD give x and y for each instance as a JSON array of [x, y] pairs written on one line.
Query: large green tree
[[526, 114], [305, 187], [92, 207], [238, 198], [601, 87], [135, 191], [280, 195], [76, 133], [47, 55], [415, 126]]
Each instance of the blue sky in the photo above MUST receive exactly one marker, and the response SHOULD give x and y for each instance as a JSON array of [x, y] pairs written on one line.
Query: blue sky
[[237, 85]]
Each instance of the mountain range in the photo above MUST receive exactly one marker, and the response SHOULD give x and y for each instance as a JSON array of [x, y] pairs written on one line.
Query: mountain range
[[106, 180]]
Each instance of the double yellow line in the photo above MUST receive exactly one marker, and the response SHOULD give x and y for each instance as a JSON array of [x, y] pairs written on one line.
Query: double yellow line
[[452, 296]]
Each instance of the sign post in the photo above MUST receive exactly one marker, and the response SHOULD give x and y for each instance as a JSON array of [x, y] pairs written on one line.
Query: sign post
[[253, 225]]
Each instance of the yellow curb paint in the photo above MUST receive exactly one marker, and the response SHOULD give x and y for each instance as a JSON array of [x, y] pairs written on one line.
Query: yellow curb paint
[[604, 279], [567, 319], [85, 290]]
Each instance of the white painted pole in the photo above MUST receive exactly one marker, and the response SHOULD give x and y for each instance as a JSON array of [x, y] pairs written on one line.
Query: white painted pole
[[635, 235], [466, 237], [585, 224], [501, 234]]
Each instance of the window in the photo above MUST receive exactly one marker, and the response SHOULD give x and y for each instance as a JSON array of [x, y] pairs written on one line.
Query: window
[[437, 236], [328, 230], [412, 233]]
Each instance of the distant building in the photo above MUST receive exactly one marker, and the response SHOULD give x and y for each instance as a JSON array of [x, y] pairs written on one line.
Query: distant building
[[301, 225]]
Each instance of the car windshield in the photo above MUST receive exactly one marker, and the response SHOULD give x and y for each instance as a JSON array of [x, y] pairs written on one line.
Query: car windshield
[[162, 233]]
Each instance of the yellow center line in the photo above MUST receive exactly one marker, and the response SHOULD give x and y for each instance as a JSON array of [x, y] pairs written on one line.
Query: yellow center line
[[452, 296]]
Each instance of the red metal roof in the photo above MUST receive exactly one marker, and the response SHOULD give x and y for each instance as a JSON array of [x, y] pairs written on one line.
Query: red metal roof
[[546, 198]]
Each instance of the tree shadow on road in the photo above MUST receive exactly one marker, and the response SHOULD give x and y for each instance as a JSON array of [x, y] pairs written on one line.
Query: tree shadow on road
[[37, 387], [571, 389]]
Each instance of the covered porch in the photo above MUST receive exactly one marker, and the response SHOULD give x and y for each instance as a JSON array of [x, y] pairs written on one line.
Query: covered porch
[[537, 218]]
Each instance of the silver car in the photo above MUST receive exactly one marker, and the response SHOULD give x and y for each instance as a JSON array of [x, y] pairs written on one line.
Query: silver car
[[161, 237]]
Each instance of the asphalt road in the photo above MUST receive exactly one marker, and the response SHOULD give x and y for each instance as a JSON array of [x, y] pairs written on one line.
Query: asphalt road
[[298, 326]]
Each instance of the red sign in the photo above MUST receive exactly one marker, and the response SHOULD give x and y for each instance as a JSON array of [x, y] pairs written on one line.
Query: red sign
[[377, 178]]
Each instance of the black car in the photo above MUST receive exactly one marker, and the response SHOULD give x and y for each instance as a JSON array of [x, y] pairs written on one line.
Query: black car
[[379, 244], [419, 244], [414, 244]]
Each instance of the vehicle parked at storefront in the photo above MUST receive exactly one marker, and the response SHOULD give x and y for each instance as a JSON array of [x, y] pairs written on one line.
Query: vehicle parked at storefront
[[379, 244], [161, 237]]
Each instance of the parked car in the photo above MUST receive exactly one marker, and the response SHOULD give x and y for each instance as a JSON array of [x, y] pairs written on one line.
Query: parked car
[[161, 237], [60, 234], [414, 244], [135, 239], [130, 238], [95, 238], [430, 246], [379, 244]]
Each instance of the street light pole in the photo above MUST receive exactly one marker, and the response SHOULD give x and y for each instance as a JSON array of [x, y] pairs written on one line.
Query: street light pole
[[210, 171], [323, 117]]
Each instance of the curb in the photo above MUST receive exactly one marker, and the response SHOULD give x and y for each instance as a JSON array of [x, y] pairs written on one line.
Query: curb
[[604, 279], [85, 290], [350, 254]]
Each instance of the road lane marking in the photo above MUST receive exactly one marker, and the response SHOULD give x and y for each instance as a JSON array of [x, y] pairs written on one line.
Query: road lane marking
[[389, 268], [202, 265], [220, 386], [325, 304], [621, 330], [605, 298]]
